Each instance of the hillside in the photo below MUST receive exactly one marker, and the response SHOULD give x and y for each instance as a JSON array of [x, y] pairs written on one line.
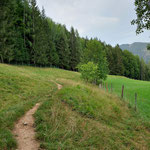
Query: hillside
[[79, 116], [138, 48], [131, 87]]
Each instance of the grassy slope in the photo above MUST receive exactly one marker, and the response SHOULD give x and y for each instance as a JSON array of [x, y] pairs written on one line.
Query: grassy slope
[[20, 89], [142, 88], [79, 116]]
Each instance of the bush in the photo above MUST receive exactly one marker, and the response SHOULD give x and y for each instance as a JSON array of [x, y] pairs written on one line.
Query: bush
[[90, 72]]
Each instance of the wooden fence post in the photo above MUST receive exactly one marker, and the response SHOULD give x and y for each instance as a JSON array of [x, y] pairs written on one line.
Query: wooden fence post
[[135, 101], [122, 94], [100, 85]]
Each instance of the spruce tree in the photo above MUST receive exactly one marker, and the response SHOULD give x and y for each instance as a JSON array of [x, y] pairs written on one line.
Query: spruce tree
[[75, 49], [7, 10], [42, 40], [62, 47]]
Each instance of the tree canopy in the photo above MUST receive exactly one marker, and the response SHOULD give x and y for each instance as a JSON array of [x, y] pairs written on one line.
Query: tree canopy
[[143, 15], [29, 37]]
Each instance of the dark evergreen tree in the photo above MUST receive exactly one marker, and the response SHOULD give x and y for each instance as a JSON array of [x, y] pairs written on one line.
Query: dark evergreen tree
[[22, 29], [115, 60], [62, 47], [143, 70], [75, 49], [53, 58], [7, 10]]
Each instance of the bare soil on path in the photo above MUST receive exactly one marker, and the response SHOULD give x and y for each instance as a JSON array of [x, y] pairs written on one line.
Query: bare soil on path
[[24, 130]]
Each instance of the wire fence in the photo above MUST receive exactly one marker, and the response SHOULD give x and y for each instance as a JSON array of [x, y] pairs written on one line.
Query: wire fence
[[122, 94]]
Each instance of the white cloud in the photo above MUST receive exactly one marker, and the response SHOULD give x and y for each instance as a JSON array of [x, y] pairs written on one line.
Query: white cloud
[[106, 19]]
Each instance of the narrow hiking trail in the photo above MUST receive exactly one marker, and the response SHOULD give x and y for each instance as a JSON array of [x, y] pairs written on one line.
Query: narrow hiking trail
[[24, 130], [59, 86]]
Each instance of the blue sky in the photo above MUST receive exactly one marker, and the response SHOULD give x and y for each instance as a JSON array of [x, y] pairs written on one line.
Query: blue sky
[[109, 20]]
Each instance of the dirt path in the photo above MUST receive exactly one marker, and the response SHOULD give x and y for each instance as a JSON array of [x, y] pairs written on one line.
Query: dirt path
[[24, 130], [59, 86]]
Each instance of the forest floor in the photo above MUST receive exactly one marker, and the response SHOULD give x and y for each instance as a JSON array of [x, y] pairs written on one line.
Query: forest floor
[[77, 116]]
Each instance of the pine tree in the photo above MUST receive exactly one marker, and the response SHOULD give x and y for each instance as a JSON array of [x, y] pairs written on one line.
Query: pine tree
[[42, 45], [62, 47], [143, 70], [7, 10], [35, 15], [118, 61], [21, 27], [53, 58], [75, 49]]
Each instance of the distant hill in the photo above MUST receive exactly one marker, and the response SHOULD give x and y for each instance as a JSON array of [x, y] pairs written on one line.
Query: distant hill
[[138, 48]]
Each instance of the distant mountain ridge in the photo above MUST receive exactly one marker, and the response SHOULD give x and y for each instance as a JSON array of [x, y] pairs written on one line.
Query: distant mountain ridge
[[138, 48]]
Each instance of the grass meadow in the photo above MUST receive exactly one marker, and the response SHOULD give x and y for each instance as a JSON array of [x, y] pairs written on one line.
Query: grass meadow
[[80, 116], [142, 88]]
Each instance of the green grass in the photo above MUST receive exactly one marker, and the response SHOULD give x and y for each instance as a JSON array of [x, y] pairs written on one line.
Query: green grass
[[80, 116], [20, 90], [142, 88]]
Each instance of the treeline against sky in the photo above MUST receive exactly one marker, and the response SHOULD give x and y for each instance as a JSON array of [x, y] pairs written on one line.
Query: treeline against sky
[[28, 37]]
